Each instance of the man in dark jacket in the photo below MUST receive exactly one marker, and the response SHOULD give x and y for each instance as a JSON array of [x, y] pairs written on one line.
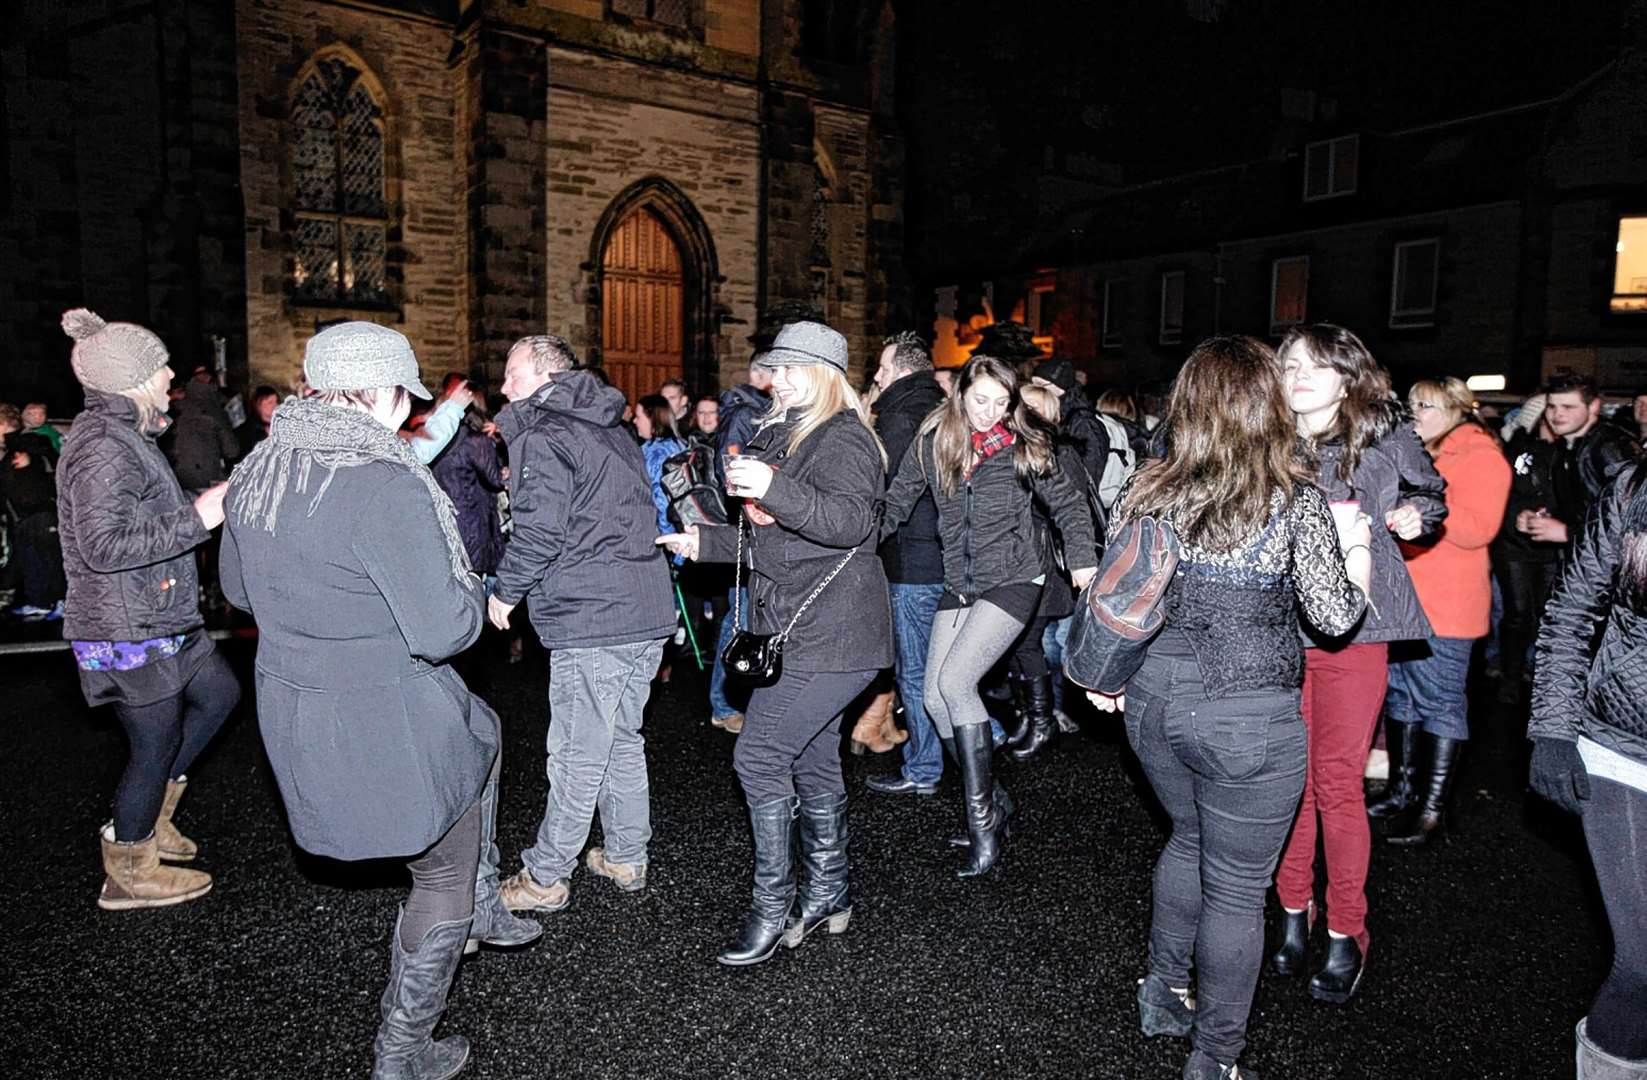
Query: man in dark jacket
[[1078, 421], [740, 408], [202, 443], [913, 559], [1589, 453], [600, 600]]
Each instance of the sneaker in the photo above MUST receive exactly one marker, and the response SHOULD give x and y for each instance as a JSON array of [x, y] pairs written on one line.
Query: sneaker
[[523, 893], [630, 877], [55, 614], [733, 723], [29, 611]]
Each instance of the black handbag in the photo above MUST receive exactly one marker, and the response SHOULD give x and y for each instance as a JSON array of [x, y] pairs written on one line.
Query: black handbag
[[757, 659], [1120, 610]]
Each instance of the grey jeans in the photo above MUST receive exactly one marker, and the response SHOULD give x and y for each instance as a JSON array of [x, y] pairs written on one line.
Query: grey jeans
[[1229, 771], [597, 758]]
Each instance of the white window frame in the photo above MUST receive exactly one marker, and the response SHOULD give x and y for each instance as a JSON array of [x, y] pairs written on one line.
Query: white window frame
[[1112, 337], [1407, 318], [1623, 303], [1174, 336], [1331, 148], [1277, 326]]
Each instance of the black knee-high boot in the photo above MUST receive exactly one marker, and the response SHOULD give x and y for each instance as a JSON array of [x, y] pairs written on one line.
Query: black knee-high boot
[[985, 820], [1424, 820], [1403, 748], [823, 892], [773, 824]]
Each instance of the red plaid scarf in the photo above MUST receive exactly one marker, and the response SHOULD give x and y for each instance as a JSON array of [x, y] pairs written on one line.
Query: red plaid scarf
[[987, 444]]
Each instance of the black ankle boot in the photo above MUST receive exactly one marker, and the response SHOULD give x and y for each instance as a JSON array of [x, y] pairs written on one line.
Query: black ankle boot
[[1398, 795], [1038, 712], [774, 827], [1341, 974], [823, 896], [1295, 941], [1424, 819], [985, 819]]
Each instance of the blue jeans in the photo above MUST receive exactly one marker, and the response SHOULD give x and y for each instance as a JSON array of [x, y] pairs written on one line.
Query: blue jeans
[[1427, 685], [913, 609], [718, 705], [1056, 637]]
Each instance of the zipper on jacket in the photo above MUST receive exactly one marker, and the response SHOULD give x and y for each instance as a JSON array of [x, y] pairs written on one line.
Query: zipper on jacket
[[966, 539]]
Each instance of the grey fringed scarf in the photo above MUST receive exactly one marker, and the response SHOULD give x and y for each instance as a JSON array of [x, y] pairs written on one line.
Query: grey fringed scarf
[[309, 433]]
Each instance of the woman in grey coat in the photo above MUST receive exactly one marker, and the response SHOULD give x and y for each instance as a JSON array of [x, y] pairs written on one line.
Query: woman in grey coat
[[348, 554]]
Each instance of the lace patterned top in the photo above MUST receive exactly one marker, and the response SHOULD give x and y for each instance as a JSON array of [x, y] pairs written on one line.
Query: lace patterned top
[[1238, 609]]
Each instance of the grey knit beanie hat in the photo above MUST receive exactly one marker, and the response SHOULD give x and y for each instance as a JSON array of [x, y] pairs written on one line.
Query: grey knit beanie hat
[[361, 356], [112, 357]]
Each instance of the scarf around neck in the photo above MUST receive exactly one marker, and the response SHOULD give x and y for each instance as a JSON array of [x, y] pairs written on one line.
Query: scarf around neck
[[986, 444], [306, 433]]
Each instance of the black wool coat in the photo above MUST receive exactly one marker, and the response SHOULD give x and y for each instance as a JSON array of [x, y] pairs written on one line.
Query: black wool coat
[[128, 531], [912, 555], [826, 499], [375, 742]]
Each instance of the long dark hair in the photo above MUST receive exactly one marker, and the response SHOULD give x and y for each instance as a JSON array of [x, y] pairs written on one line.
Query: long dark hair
[[952, 445], [1369, 410], [1231, 445]]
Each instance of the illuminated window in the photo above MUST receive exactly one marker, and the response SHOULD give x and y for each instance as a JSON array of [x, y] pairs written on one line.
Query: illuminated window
[[340, 214], [1330, 167], [1172, 307], [1289, 290], [1412, 286], [1630, 269], [1040, 312], [1115, 312]]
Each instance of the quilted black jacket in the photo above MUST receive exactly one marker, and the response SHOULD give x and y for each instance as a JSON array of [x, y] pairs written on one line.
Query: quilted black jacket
[[1582, 687]]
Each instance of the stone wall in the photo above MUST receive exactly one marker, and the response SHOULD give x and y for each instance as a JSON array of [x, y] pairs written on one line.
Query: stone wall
[[614, 123], [407, 55]]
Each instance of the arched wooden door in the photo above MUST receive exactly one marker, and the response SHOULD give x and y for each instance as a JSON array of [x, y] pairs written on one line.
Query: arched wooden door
[[642, 296]]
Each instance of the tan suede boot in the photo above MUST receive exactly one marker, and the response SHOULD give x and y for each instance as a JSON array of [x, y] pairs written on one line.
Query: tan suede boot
[[174, 846], [870, 731], [894, 734], [135, 877]]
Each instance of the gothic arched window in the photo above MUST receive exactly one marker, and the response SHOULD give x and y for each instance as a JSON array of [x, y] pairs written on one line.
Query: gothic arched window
[[340, 215]]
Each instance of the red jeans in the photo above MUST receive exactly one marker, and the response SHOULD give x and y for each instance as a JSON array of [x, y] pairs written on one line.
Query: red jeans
[[1343, 695]]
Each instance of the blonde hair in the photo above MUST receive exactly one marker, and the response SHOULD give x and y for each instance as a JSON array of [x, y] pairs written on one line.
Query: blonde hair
[[826, 393], [1117, 403], [1043, 403], [952, 434], [1450, 394]]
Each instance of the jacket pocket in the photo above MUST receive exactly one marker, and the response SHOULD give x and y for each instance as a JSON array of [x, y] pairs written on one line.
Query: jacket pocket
[[1232, 735]]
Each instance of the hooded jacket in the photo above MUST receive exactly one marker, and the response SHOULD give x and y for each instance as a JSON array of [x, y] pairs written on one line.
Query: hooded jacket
[[741, 409], [1394, 470], [201, 442], [128, 531], [912, 555], [582, 552]]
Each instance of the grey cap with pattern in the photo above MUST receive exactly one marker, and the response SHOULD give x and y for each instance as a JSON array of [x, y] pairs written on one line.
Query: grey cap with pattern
[[112, 357], [806, 343], [361, 356]]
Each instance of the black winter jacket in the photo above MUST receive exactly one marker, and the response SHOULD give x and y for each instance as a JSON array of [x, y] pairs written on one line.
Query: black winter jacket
[[912, 555], [741, 409], [127, 529], [1080, 427], [1583, 469], [582, 552], [469, 471], [825, 498], [988, 525], [1394, 471], [1581, 687], [201, 443], [1532, 487]]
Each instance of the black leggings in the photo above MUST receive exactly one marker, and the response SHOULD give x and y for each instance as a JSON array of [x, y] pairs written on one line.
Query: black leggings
[[165, 739], [443, 880], [1029, 658]]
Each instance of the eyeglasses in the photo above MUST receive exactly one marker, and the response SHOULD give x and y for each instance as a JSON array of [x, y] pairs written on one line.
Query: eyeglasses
[[1424, 406]]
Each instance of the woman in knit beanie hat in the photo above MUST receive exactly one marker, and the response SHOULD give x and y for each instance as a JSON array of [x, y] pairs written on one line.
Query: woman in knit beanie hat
[[347, 552], [132, 613]]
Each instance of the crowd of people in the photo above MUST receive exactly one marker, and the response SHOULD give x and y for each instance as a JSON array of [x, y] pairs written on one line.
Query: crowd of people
[[922, 548]]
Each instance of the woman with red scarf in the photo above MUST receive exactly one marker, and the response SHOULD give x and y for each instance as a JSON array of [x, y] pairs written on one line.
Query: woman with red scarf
[[985, 464]]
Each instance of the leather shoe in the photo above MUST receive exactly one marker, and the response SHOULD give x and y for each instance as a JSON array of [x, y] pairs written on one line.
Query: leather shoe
[[899, 784]]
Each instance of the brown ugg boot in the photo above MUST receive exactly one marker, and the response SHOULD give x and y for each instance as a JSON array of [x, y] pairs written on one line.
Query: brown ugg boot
[[895, 735], [174, 846], [870, 731], [136, 879]]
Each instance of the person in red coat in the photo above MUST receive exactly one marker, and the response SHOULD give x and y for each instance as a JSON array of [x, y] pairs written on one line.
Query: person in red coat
[[1453, 578]]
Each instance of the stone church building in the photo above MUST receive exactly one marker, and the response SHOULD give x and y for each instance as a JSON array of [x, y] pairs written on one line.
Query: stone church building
[[659, 181]]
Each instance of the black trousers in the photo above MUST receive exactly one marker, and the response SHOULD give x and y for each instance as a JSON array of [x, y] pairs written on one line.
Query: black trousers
[[1525, 585], [791, 738]]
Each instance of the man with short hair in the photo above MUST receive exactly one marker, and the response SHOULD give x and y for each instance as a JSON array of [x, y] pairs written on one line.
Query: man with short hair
[[913, 559], [1589, 453], [601, 601], [740, 408], [674, 392]]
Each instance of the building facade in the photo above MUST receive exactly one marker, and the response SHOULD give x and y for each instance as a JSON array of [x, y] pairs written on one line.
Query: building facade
[[648, 178]]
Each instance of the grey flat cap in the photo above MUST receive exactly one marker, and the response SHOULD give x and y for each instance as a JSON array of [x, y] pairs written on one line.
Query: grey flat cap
[[806, 343], [361, 356]]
